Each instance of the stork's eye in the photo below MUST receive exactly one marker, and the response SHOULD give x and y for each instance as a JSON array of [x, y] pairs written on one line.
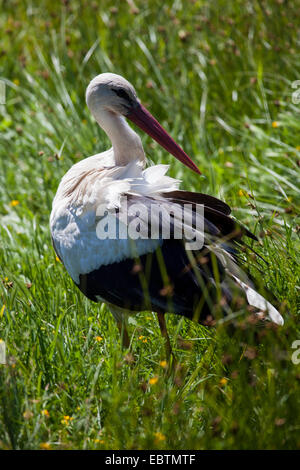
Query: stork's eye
[[122, 94]]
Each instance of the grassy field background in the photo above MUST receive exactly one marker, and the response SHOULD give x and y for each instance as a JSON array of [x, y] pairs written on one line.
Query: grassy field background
[[219, 76]]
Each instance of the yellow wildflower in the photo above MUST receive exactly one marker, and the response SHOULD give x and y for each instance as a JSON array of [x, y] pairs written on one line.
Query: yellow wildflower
[[275, 124], [99, 441], [153, 380], [14, 202], [159, 437], [163, 364], [98, 338], [143, 339], [57, 259], [45, 446], [66, 420], [223, 381], [45, 413]]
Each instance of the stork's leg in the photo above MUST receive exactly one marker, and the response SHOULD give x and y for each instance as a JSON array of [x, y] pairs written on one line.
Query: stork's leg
[[120, 318], [164, 332], [124, 334]]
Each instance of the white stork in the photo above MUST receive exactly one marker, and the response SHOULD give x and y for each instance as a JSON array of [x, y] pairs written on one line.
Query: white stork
[[157, 274]]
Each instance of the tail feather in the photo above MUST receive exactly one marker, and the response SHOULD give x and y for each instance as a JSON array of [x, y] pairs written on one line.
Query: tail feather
[[242, 279], [258, 301]]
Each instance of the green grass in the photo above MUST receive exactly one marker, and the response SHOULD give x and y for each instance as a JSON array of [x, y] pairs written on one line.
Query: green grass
[[218, 76]]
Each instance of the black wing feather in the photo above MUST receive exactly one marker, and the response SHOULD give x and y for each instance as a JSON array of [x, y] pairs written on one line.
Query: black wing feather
[[179, 286], [142, 284]]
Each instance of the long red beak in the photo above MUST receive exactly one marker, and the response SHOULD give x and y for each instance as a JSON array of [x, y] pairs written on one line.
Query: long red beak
[[145, 121]]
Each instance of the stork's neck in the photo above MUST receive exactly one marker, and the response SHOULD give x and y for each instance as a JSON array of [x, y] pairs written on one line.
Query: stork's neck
[[127, 145]]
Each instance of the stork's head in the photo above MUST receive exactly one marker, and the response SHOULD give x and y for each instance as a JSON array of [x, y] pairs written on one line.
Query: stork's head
[[115, 94], [111, 92]]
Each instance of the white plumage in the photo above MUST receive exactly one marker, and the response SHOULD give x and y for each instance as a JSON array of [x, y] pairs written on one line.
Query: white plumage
[[86, 186]]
